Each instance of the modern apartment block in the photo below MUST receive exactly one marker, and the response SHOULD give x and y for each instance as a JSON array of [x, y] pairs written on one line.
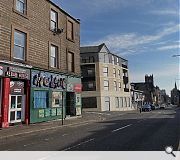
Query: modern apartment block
[[40, 77], [105, 80]]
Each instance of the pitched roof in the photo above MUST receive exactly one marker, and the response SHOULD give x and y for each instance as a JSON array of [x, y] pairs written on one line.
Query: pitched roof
[[91, 49]]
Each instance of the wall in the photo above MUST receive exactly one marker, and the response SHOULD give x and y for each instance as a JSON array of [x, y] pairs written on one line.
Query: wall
[[37, 26]]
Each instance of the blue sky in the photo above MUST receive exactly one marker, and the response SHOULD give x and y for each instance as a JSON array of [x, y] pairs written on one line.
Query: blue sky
[[146, 32]]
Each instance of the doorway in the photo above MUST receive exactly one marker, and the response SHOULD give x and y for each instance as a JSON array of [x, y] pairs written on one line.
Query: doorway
[[70, 104], [16, 108]]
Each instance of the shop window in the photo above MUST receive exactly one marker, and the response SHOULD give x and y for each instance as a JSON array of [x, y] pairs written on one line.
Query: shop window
[[40, 99], [56, 99], [89, 102]]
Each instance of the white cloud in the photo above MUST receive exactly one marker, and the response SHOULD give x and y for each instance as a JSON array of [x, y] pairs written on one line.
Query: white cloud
[[169, 47], [165, 12], [128, 43]]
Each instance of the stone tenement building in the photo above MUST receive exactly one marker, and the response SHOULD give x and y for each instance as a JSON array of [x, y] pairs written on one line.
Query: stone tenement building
[[39, 62]]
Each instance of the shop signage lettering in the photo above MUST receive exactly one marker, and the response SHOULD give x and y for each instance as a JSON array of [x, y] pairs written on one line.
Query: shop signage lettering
[[48, 80], [16, 87], [14, 72]]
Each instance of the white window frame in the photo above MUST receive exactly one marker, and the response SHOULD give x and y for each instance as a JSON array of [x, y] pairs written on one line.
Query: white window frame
[[106, 85], [20, 46], [105, 71], [54, 57], [114, 72], [115, 86], [54, 21]]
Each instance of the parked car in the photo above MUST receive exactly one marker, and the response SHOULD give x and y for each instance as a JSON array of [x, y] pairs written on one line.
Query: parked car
[[146, 108], [157, 106], [152, 107], [162, 106]]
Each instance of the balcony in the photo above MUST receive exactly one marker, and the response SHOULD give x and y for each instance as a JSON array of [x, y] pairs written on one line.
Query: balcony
[[125, 79], [89, 86], [124, 66], [126, 89]]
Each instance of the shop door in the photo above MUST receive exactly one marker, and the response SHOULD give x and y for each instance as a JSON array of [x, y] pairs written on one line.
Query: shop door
[[15, 108], [70, 104]]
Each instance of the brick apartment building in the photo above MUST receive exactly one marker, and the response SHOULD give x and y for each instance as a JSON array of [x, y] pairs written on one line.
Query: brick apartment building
[[105, 80], [39, 62]]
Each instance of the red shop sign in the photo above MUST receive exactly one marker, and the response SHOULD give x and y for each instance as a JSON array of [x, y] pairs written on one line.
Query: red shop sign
[[77, 88]]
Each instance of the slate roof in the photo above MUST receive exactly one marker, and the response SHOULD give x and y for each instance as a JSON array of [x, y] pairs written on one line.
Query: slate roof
[[91, 49]]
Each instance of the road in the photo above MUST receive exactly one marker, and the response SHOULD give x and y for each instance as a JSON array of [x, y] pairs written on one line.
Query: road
[[132, 131]]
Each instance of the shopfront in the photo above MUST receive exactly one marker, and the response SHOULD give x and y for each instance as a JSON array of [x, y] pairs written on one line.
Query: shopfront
[[52, 95], [14, 94], [73, 96]]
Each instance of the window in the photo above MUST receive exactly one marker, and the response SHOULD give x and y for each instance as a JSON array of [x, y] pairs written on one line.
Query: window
[[125, 102], [70, 62], [119, 73], [54, 51], [128, 102], [90, 85], [40, 99], [106, 85], [117, 61], [114, 72], [107, 103], [105, 71], [19, 45], [56, 99], [90, 72], [117, 102], [54, 18], [115, 86], [91, 59], [121, 102], [21, 6], [113, 60], [89, 102], [70, 32], [119, 86]]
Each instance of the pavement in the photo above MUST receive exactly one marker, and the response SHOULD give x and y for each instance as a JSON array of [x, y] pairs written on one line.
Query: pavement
[[86, 117]]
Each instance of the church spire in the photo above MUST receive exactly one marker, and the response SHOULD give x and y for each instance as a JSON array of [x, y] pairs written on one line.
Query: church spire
[[175, 86]]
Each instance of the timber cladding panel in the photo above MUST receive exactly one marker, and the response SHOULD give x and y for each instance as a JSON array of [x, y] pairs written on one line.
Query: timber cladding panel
[[37, 24]]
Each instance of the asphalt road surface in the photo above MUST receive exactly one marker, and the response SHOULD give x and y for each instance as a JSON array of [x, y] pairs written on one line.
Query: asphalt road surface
[[130, 131]]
